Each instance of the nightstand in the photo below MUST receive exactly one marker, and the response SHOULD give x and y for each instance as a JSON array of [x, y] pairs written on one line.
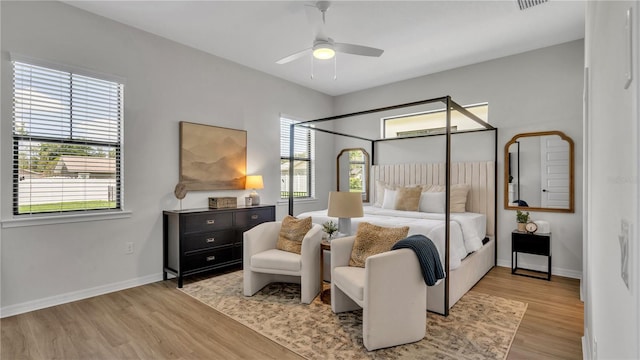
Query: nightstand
[[325, 294], [530, 243]]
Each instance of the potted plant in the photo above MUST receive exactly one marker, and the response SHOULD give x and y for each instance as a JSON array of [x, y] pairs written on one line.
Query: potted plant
[[522, 218], [330, 228]]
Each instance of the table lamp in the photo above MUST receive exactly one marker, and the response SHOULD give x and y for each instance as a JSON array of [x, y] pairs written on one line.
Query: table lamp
[[345, 205], [254, 182]]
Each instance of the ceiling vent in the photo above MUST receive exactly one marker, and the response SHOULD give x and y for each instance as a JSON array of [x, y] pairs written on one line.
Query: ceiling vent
[[525, 4]]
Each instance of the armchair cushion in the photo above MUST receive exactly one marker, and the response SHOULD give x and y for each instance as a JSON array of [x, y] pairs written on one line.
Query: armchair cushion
[[292, 232], [372, 239], [276, 260], [351, 280]]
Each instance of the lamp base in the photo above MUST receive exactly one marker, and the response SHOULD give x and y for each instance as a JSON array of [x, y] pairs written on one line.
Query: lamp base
[[344, 226], [255, 198]]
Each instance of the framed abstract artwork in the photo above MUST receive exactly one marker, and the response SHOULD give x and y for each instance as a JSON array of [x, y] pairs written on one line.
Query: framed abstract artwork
[[212, 157]]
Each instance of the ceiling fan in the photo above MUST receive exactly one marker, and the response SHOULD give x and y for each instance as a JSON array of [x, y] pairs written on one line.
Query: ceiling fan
[[325, 48]]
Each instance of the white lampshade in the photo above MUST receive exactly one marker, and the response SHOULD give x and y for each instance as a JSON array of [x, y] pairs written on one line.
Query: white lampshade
[[254, 182], [344, 206]]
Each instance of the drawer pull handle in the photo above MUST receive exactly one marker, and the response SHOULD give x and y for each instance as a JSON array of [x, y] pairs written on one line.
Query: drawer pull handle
[[211, 222], [211, 258], [210, 240], [254, 217]]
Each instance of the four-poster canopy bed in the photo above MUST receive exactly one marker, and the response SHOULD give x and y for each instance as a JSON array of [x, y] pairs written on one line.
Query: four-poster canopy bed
[[472, 231]]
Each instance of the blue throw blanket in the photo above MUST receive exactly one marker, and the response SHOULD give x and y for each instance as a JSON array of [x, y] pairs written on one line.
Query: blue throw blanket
[[427, 254]]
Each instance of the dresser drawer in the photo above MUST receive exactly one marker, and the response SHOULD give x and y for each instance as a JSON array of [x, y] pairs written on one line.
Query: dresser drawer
[[253, 217], [531, 244], [205, 259], [207, 221], [210, 239]]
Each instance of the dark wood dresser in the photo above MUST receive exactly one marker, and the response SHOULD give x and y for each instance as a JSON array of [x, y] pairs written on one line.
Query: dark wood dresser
[[198, 240]]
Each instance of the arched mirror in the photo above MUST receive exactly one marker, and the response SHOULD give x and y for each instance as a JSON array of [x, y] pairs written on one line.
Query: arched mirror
[[539, 172], [353, 171]]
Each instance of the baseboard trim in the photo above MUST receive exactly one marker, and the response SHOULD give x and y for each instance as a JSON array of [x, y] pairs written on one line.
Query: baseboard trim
[[586, 354], [28, 306], [554, 270]]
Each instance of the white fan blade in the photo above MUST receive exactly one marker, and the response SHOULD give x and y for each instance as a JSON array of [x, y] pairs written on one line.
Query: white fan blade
[[292, 57], [358, 50]]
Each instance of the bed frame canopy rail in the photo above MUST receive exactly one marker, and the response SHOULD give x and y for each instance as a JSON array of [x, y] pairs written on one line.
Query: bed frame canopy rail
[[450, 106]]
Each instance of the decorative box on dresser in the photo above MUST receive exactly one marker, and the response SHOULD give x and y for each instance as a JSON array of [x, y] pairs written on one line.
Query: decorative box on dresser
[[199, 240]]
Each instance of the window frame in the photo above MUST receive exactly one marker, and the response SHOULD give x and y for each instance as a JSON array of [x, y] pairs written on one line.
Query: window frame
[[310, 160], [428, 130], [74, 215]]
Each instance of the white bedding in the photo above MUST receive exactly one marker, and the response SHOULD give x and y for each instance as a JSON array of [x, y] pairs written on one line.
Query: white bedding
[[467, 229]]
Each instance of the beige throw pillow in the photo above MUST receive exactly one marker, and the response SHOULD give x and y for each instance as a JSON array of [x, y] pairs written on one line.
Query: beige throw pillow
[[458, 195], [292, 232], [372, 239], [408, 198]]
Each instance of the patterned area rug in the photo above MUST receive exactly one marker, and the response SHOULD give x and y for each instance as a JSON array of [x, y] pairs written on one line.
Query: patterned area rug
[[479, 326]]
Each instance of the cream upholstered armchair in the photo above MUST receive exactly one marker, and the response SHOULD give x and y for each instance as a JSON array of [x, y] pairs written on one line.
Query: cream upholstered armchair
[[264, 263], [390, 289]]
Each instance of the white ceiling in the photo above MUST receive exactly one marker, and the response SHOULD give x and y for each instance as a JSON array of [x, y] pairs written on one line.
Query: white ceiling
[[419, 37]]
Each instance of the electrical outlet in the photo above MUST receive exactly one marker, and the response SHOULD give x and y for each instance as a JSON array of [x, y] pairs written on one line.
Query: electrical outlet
[[128, 248]]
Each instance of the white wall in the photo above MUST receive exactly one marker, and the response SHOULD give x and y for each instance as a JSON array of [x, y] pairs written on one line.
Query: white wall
[[612, 311], [535, 91], [165, 83]]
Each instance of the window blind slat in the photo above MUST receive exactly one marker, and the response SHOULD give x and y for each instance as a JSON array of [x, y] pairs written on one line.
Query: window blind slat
[[304, 174], [67, 141]]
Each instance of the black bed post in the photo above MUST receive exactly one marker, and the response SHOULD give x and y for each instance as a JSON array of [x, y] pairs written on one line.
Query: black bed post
[[373, 152], [291, 137], [447, 226]]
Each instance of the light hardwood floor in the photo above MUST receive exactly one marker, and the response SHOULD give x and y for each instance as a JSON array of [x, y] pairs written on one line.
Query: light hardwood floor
[[156, 321]]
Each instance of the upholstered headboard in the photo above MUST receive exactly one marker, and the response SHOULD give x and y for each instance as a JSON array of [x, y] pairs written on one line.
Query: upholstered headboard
[[479, 175]]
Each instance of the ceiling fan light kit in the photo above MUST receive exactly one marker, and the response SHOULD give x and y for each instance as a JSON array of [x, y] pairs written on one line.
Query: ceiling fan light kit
[[323, 50]]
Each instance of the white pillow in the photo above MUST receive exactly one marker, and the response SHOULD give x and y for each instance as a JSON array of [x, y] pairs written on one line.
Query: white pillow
[[380, 188], [432, 202], [389, 201]]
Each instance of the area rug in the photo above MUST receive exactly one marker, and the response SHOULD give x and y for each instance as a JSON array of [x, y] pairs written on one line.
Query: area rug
[[479, 326]]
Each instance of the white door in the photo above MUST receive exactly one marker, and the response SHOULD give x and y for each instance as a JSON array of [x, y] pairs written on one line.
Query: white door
[[554, 172]]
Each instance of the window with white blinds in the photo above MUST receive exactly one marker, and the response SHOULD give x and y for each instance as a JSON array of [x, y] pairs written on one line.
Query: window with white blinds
[[303, 160], [67, 133]]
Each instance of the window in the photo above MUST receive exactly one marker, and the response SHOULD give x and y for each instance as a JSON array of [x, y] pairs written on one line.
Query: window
[[432, 122], [356, 171], [303, 161], [67, 132]]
